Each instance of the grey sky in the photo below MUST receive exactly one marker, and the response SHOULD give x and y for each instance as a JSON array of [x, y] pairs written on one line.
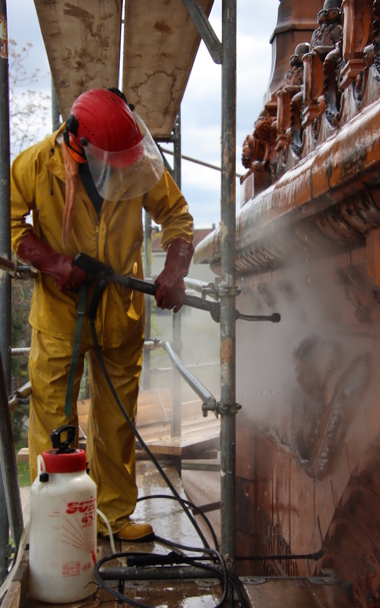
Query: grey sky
[[201, 107]]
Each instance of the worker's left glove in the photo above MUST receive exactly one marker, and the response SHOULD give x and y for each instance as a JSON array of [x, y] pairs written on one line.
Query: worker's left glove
[[44, 258], [170, 286]]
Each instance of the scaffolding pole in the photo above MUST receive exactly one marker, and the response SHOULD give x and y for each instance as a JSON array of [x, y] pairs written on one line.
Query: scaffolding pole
[[227, 288], [5, 207], [10, 503], [148, 302], [177, 317], [225, 53], [55, 113], [9, 465], [5, 279]]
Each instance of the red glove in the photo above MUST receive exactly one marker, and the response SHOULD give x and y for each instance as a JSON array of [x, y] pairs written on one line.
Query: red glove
[[41, 256], [170, 286]]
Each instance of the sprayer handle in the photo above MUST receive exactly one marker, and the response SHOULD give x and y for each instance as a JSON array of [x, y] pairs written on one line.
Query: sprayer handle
[[55, 437]]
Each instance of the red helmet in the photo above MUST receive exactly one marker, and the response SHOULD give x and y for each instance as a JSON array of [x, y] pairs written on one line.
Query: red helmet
[[103, 130], [104, 119]]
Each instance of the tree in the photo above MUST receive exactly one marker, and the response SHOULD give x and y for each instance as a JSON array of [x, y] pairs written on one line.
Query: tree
[[21, 331], [29, 109], [29, 114]]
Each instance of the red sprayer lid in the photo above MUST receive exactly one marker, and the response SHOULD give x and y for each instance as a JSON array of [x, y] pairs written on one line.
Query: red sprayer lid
[[67, 462], [62, 458]]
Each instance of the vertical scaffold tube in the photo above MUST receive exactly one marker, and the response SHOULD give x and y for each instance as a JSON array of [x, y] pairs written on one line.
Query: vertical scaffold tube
[[5, 207], [148, 302], [5, 284], [227, 301], [9, 465], [177, 317], [54, 108]]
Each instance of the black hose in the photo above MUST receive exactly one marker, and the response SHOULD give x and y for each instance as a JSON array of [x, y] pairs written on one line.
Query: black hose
[[176, 496], [192, 506], [140, 439], [186, 560]]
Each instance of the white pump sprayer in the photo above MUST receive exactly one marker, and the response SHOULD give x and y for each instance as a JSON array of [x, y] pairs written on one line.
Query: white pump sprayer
[[62, 541]]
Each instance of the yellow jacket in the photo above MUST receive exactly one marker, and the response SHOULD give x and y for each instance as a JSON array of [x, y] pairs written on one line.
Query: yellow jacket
[[38, 185]]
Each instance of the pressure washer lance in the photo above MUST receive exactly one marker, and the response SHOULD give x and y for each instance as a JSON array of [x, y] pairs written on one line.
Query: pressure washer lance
[[102, 271]]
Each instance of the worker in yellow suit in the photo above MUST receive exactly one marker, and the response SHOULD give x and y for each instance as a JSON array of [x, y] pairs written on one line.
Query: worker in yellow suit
[[86, 186]]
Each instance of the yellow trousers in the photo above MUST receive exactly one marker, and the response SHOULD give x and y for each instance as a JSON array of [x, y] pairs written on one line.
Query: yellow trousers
[[110, 442]]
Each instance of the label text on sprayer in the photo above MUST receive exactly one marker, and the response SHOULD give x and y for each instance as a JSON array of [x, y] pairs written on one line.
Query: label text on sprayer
[[87, 507]]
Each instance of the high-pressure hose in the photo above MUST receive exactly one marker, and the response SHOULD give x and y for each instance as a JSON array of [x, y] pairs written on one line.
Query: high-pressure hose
[[213, 555], [139, 438]]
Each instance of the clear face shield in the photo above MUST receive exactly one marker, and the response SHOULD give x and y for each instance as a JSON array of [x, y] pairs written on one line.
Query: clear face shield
[[129, 173]]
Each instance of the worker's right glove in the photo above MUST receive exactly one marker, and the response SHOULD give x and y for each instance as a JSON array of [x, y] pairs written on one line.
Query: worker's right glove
[[41, 256], [170, 286]]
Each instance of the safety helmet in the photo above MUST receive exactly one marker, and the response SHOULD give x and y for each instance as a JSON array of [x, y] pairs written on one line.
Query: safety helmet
[[104, 131]]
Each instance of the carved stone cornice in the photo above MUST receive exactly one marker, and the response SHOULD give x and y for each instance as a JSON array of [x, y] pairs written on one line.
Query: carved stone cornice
[[331, 90], [259, 150], [340, 76], [357, 34], [296, 22], [292, 86], [321, 203], [321, 148]]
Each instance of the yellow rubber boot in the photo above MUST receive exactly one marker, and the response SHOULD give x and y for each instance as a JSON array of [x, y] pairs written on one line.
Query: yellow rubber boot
[[135, 532]]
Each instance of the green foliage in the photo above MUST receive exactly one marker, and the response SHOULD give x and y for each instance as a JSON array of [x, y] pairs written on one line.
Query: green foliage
[[18, 419], [23, 474], [21, 331], [29, 108], [22, 468], [84, 390]]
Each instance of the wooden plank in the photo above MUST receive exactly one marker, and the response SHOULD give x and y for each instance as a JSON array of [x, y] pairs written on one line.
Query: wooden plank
[[201, 594], [100, 597], [188, 430], [82, 42], [329, 596], [160, 594], [291, 592], [160, 45], [13, 596], [161, 398], [153, 406], [162, 395], [165, 594], [165, 515], [196, 436], [23, 455], [83, 407], [184, 446], [284, 593], [176, 594]]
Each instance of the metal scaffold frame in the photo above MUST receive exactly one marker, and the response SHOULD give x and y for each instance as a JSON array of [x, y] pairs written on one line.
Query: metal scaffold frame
[[175, 139], [227, 288], [10, 501], [223, 53]]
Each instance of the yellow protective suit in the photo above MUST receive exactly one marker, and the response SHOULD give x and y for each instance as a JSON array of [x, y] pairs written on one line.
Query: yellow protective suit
[[38, 186]]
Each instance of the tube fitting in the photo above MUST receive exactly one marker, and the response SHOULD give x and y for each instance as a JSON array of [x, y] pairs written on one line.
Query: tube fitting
[[219, 408]]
